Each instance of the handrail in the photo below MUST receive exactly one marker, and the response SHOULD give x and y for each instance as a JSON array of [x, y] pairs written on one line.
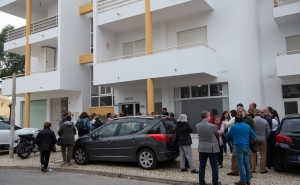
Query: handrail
[[35, 72], [106, 5], [278, 54], [35, 27], [155, 51], [283, 2]]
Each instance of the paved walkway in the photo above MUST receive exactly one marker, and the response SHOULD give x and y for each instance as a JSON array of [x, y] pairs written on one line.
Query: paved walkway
[[164, 171]]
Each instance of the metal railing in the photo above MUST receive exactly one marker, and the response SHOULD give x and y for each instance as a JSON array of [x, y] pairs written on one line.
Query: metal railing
[[35, 27], [106, 5], [289, 52], [34, 72], [278, 3], [197, 44]]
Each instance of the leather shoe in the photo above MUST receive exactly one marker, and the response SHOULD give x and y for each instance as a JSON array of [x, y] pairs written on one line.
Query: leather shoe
[[266, 171], [194, 171], [233, 174], [187, 166], [240, 183], [184, 170], [248, 183]]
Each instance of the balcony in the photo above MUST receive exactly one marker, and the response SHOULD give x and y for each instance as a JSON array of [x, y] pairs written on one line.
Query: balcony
[[196, 58], [131, 12], [288, 64], [286, 11]]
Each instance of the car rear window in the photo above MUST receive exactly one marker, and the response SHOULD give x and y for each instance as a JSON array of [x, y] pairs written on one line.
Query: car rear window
[[169, 125], [158, 128], [291, 126]]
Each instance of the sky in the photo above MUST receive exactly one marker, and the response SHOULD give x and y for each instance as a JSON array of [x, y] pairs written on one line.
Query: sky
[[12, 20]]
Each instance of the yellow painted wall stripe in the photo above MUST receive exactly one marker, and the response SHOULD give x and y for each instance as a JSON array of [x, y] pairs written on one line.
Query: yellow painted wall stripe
[[85, 59], [86, 8], [102, 110]]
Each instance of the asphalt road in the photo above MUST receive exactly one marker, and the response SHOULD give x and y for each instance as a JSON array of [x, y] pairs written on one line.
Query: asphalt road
[[30, 177]]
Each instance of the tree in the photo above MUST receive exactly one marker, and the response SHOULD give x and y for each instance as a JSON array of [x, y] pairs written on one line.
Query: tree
[[6, 68]]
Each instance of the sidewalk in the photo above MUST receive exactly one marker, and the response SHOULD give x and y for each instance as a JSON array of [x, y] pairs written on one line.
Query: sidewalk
[[167, 172]]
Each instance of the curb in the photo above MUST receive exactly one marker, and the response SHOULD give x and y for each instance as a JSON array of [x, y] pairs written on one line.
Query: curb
[[109, 174]]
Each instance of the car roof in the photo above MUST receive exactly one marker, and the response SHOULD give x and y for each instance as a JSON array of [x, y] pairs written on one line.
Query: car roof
[[151, 117], [291, 116]]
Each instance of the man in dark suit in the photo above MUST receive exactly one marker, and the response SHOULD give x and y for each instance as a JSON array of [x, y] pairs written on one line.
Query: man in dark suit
[[208, 147]]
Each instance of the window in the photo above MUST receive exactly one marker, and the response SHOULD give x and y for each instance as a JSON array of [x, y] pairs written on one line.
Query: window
[[129, 128], [92, 35], [4, 126], [192, 36], [182, 92], [200, 91], [107, 131], [293, 44], [136, 47], [218, 89], [291, 91], [291, 126], [157, 129], [101, 95], [291, 107]]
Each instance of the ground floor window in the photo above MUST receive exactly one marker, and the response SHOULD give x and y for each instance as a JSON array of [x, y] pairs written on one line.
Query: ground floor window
[[38, 111]]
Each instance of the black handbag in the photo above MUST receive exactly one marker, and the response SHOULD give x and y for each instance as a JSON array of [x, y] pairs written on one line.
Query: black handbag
[[253, 143], [59, 141], [54, 149]]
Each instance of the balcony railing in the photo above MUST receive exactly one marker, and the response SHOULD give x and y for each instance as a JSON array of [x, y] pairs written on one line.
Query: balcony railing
[[278, 3], [288, 52], [31, 73], [35, 27], [157, 51], [106, 5]]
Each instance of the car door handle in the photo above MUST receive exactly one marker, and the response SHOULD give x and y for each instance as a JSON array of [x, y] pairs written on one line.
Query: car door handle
[[133, 140]]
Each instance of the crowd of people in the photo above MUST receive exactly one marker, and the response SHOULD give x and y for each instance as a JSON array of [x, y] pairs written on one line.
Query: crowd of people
[[215, 132]]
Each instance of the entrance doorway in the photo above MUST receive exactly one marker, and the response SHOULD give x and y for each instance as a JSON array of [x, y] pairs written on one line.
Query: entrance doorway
[[130, 109]]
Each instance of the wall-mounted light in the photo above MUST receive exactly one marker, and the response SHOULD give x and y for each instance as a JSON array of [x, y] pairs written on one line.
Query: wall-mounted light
[[175, 69], [42, 35], [118, 77], [118, 13]]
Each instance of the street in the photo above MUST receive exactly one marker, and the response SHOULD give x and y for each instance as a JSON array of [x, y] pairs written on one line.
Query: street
[[35, 177]]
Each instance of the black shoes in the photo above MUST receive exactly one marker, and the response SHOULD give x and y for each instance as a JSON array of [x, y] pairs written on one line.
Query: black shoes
[[194, 171], [184, 170]]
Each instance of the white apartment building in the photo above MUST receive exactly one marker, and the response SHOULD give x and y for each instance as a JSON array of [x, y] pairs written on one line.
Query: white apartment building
[[141, 55]]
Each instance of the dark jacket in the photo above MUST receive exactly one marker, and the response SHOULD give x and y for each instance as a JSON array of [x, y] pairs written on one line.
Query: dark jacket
[[46, 139], [248, 120], [269, 120], [85, 122], [67, 132], [97, 124], [183, 131]]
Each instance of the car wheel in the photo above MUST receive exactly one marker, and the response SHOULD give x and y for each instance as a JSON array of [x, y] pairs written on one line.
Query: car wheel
[[81, 156], [277, 166], [147, 159], [21, 151]]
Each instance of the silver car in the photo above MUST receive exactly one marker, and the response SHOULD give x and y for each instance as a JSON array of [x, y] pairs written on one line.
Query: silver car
[[5, 134]]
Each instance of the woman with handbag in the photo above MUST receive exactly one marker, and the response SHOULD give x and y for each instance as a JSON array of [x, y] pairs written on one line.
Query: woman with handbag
[[184, 139], [67, 132], [220, 128], [46, 140]]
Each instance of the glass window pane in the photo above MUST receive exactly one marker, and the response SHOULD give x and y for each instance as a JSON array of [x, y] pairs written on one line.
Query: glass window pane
[[95, 102], [185, 92], [107, 131], [291, 91], [129, 128], [106, 101], [157, 95], [200, 91], [290, 107], [94, 90], [216, 90], [108, 90], [102, 89]]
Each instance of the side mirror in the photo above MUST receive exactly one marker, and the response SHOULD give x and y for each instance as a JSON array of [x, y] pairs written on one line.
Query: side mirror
[[94, 137]]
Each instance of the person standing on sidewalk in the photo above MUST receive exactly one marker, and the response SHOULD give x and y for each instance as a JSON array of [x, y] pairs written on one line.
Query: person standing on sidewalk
[[265, 114], [67, 132], [83, 124], [46, 140], [208, 147], [220, 127], [184, 140], [241, 138], [262, 132], [225, 119]]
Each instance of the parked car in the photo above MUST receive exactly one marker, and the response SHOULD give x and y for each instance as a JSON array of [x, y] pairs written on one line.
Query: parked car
[[287, 149], [146, 140], [5, 134]]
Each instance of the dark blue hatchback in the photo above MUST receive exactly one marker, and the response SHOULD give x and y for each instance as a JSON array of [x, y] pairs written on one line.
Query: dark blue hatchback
[[146, 140]]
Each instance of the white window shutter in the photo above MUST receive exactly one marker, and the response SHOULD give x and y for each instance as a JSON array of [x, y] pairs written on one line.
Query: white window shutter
[[192, 36]]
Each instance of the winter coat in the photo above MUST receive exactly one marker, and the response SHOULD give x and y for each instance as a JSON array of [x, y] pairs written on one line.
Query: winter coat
[[85, 122], [183, 131], [67, 132], [46, 139], [97, 124]]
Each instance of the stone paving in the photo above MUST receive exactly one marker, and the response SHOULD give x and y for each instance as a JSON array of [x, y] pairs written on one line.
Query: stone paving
[[166, 170]]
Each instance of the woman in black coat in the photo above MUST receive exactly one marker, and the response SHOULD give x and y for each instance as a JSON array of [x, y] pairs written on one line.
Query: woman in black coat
[[46, 140], [184, 140]]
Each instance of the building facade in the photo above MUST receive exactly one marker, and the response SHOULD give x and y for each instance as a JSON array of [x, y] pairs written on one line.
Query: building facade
[[142, 55]]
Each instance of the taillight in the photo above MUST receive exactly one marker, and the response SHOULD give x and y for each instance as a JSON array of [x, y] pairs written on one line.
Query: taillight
[[160, 137], [283, 139]]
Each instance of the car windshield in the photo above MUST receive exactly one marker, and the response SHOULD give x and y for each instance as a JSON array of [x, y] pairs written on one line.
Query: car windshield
[[291, 125], [6, 125]]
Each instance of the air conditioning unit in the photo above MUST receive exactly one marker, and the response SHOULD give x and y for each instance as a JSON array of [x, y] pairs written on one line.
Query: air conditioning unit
[[47, 59]]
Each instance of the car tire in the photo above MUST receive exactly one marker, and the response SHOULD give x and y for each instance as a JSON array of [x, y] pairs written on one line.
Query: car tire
[[81, 156], [20, 151], [147, 159], [277, 166]]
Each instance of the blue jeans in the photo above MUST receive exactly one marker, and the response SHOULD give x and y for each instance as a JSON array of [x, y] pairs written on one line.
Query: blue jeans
[[230, 147], [242, 157], [213, 159]]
